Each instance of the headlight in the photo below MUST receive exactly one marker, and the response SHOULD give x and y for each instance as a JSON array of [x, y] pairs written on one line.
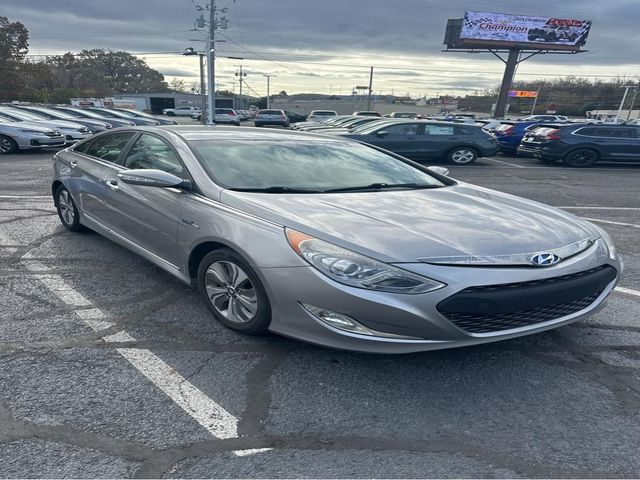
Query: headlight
[[607, 241], [355, 270]]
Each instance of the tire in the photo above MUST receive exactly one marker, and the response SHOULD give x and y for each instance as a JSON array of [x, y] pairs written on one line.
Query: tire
[[462, 156], [581, 158], [237, 124], [233, 292], [256, 124], [67, 210], [171, 114], [7, 145]]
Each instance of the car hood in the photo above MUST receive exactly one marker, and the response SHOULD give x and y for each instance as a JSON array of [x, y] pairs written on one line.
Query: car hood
[[405, 225], [34, 127], [58, 124]]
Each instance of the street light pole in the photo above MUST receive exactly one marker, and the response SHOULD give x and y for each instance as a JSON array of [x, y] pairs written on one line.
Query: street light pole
[[189, 52], [268, 92], [211, 65], [633, 102]]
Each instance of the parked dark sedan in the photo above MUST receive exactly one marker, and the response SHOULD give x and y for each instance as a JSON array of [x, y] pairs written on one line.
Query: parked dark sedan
[[460, 144], [583, 145]]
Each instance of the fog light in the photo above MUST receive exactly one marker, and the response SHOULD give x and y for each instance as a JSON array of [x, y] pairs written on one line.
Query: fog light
[[337, 320]]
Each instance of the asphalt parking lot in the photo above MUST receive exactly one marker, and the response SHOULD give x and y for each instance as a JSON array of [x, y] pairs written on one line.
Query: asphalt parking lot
[[111, 368]]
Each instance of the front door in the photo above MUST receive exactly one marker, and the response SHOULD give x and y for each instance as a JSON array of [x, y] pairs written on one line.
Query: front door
[[149, 216]]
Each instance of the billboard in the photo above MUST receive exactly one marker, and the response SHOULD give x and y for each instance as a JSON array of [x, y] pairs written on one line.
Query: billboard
[[481, 28], [523, 93]]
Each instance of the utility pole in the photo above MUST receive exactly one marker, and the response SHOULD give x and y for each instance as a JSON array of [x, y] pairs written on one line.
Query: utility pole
[[633, 102], [241, 74], [624, 97], [268, 93], [214, 24], [370, 86]]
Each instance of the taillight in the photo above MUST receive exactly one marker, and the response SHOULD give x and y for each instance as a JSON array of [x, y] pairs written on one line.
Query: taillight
[[233, 114], [552, 135]]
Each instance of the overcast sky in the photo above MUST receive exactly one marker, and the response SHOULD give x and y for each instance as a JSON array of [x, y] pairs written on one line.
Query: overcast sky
[[327, 46]]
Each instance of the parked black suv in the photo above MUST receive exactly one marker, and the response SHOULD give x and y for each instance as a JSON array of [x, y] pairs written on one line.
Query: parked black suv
[[582, 145]]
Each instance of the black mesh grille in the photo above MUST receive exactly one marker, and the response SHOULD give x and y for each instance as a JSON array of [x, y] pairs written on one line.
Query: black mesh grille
[[476, 323], [492, 308]]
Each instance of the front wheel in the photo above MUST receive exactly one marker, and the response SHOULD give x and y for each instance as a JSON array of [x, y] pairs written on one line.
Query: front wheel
[[257, 124], [233, 292], [67, 210], [462, 156], [171, 114], [580, 158], [7, 145]]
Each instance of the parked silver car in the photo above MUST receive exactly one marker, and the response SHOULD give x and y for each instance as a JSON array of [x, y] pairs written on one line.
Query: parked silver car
[[72, 132], [16, 136], [334, 242]]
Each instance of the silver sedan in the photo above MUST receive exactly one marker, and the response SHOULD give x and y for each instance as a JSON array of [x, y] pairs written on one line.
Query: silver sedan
[[334, 242]]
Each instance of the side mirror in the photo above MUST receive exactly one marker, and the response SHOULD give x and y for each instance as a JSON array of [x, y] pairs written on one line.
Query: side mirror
[[153, 178], [382, 133], [439, 170]]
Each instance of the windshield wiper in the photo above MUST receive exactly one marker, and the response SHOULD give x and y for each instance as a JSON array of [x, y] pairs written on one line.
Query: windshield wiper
[[382, 186], [278, 189]]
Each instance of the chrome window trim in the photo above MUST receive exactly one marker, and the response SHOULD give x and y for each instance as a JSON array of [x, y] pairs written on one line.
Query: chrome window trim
[[575, 132], [520, 259]]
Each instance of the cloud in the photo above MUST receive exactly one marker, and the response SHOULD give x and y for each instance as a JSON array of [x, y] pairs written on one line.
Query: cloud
[[311, 45]]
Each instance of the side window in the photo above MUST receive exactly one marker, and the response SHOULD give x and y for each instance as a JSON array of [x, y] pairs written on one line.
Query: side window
[[615, 132], [108, 147], [439, 129], [401, 129], [151, 152], [82, 147], [463, 131]]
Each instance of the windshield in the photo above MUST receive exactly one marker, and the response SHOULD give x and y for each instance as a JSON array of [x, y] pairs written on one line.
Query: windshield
[[57, 114], [21, 114], [314, 167], [372, 126], [84, 113]]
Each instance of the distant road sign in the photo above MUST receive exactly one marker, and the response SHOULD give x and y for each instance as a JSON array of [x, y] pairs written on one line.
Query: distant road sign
[[523, 93]]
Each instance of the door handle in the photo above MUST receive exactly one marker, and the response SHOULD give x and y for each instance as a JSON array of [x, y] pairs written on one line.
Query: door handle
[[73, 164], [112, 184]]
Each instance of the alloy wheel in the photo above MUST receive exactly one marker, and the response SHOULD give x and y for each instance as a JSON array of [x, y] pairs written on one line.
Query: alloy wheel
[[65, 203], [5, 145], [463, 156], [231, 292]]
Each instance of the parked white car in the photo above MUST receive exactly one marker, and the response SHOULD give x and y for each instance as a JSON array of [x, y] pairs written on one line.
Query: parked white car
[[319, 115], [181, 111]]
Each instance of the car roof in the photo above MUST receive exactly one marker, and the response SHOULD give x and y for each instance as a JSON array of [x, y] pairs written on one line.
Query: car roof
[[223, 133]]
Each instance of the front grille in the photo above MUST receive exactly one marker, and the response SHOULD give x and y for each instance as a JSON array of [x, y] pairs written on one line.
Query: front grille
[[493, 308], [475, 323]]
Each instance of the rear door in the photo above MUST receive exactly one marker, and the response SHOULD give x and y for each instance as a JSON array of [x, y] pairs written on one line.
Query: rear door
[[439, 139], [149, 216], [617, 142]]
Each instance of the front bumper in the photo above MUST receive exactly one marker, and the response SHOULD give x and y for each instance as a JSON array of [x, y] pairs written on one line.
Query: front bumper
[[39, 141], [410, 323]]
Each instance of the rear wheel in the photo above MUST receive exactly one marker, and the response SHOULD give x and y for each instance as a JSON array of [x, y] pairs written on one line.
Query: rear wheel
[[257, 124], [233, 292], [462, 156], [580, 158], [171, 114], [7, 145], [67, 210]]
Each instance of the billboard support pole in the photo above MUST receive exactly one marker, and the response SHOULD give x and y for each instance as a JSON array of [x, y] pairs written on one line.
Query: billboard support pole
[[507, 80], [535, 101]]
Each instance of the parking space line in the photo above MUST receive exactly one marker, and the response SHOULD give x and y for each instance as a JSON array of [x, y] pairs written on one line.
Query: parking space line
[[628, 291], [632, 225], [26, 197], [600, 208], [507, 163], [215, 419]]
